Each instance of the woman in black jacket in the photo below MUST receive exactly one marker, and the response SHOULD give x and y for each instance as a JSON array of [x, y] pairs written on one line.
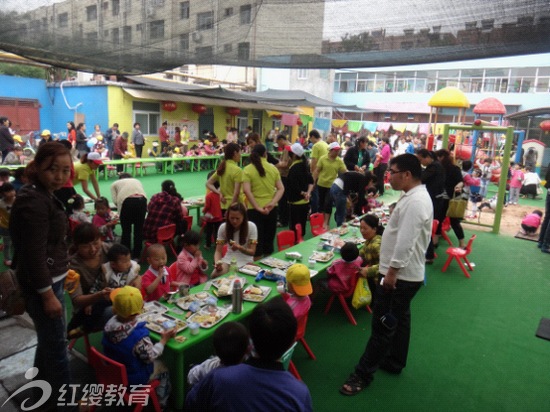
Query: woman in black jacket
[[38, 226], [433, 176], [298, 190], [6, 139], [357, 158], [453, 176]]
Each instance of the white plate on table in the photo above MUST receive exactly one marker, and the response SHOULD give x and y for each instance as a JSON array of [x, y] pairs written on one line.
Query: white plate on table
[[255, 293]]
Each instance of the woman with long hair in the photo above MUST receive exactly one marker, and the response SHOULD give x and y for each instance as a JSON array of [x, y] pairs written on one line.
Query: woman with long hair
[[229, 176], [381, 163], [453, 186], [38, 228], [433, 176], [263, 188], [299, 188], [81, 141], [241, 237]]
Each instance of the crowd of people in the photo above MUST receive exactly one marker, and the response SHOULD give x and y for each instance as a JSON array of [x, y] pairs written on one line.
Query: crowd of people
[[244, 208]]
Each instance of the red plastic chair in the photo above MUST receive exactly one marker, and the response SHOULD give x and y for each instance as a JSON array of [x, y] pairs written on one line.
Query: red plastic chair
[[109, 372], [300, 332], [342, 299], [317, 221], [435, 224], [285, 239], [299, 237], [189, 220], [72, 225], [165, 236], [459, 255], [445, 227]]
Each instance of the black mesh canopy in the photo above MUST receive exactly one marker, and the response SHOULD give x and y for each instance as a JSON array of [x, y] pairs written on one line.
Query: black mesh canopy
[[143, 36]]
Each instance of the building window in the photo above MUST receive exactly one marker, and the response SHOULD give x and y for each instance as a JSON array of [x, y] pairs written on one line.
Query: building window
[[204, 52], [105, 5], [63, 20], [156, 29], [148, 116], [227, 48], [246, 13], [116, 37], [139, 27], [184, 42], [91, 13], [184, 10], [228, 12], [127, 34], [302, 74], [243, 51], [205, 21], [116, 7]]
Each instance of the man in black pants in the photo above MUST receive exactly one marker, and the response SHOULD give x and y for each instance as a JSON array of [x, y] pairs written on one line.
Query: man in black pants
[[402, 266]]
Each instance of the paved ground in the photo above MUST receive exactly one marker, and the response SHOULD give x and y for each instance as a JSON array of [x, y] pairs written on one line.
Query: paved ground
[[17, 347]]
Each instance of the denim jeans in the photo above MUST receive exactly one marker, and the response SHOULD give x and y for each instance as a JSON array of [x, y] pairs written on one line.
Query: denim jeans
[[389, 346], [339, 199], [51, 356]]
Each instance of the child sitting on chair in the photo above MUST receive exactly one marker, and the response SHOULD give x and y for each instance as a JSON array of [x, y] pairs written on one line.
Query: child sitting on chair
[[104, 219], [530, 223], [127, 341], [190, 265], [155, 282], [231, 347], [120, 270], [343, 270], [79, 213], [212, 214], [299, 288]]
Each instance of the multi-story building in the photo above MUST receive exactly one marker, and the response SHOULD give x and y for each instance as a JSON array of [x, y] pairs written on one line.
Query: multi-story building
[[173, 31]]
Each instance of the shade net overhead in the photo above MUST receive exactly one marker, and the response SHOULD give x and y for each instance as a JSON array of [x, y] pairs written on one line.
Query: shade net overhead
[[143, 36]]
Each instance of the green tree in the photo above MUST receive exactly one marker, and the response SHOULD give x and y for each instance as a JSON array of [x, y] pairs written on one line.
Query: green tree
[[21, 70]]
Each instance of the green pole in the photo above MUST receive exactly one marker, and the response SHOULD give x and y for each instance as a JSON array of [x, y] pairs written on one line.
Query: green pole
[[504, 166], [445, 136]]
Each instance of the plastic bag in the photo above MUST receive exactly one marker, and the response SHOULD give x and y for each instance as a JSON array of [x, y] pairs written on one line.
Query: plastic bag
[[361, 295]]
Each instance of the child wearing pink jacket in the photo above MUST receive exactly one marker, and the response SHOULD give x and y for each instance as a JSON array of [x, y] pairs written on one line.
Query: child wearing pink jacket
[[531, 223], [516, 181]]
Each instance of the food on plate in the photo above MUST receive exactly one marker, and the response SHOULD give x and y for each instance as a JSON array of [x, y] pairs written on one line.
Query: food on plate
[[255, 290], [201, 295], [180, 339]]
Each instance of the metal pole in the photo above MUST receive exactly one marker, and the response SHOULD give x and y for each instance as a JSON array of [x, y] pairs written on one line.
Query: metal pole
[[504, 165]]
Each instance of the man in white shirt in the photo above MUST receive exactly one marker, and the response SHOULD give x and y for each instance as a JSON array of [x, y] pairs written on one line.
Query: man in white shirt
[[402, 266]]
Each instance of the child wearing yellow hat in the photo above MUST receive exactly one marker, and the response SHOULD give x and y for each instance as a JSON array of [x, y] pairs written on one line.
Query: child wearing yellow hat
[[299, 288], [127, 341]]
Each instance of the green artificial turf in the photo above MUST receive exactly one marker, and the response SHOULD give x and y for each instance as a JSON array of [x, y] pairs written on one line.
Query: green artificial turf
[[473, 344]]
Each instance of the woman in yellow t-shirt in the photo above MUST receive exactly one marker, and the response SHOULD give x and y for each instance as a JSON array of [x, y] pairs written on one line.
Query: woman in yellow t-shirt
[[85, 171], [326, 171], [263, 188], [230, 176]]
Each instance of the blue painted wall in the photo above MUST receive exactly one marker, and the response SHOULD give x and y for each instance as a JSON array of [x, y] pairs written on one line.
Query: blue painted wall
[[54, 113], [91, 101]]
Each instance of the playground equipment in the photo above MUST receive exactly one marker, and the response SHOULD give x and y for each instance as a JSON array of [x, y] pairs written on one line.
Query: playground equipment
[[505, 161], [448, 97]]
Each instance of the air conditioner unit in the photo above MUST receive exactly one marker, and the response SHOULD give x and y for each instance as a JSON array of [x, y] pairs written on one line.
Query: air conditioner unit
[[196, 36]]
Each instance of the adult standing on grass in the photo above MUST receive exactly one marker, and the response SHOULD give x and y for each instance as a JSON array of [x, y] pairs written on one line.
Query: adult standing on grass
[[326, 171], [131, 201], [81, 144], [38, 227], [544, 237], [229, 175], [318, 150], [84, 172], [300, 186], [263, 188], [402, 266], [138, 140], [110, 137], [381, 163]]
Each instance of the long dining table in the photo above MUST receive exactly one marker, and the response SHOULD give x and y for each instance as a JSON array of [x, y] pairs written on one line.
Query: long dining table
[[175, 353]]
